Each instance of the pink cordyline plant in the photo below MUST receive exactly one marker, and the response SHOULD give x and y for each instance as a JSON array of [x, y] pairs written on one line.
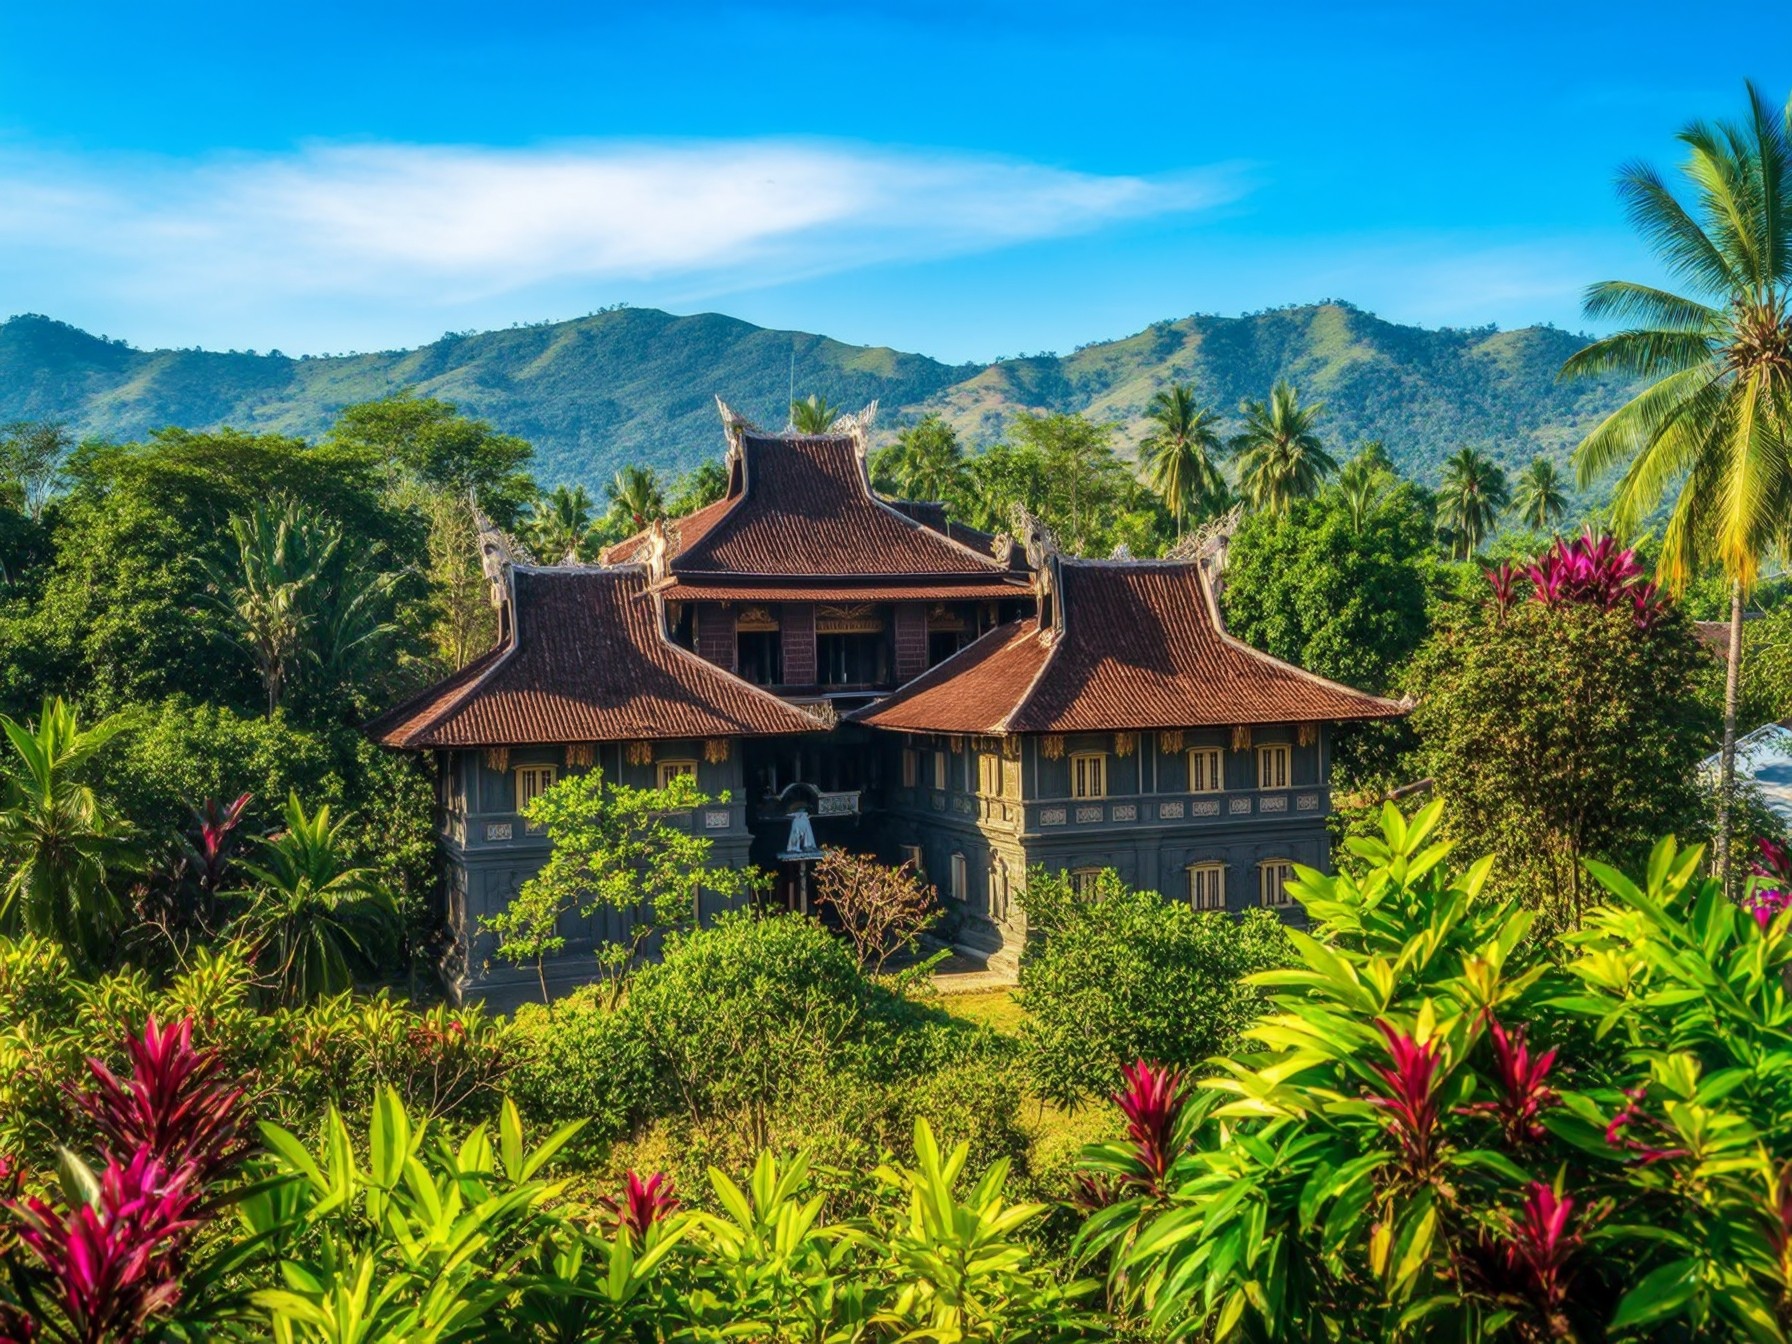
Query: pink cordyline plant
[[1524, 1092], [1151, 1098], [176, 1104], [1411, 1097], [114, 1265], [216, 822], [1539, 1247], [1772, 892], [1779, 1220], [644, 1202], [1590, 570], [1622, 1131]]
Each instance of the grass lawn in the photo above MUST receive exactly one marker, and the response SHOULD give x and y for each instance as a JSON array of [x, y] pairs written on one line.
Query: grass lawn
[[993, 1008]]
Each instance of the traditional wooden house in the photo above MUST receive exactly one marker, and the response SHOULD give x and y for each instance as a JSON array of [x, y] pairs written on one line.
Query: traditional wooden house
[[907, 685]]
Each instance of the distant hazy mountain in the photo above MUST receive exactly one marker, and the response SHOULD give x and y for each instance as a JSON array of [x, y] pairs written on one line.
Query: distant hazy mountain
[[638, 385]]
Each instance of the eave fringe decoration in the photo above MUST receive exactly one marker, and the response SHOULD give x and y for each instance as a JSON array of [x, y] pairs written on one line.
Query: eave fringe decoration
[[1307, 734], [956, 742], [1053, 746], [1169, 741], [1241, 737], [1125, 744], [716, 749], [1011, 747], [638, 753], [580, 755]]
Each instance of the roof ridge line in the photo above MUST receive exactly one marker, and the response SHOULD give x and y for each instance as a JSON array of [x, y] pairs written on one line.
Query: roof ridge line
[[1060, 629]]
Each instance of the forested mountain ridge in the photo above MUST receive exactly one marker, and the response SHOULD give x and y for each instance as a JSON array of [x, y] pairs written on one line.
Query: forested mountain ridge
[[637, 384]]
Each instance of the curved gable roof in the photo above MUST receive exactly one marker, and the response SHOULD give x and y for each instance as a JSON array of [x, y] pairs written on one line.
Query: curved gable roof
[[588, 664]]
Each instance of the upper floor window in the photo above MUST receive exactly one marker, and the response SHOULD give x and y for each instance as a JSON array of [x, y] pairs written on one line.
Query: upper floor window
[[1273, 877], [760, 656], [939, 770], [531, 782], [1206, 770], [852, 660], [960, 878], [667, 771], [911, 767], [1207, 886], [1272, 766], [1089, 775], [989, 774]]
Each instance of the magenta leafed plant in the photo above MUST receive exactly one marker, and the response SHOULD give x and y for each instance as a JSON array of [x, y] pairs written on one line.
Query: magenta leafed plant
[[1590, 570], [1632, 1121], [1411, 1097], [176, 1105], [1151, 1098], [113, 1265], [1541, 1243], [1771, 890], [644, 1202], [216, 821], [1524, 1090]]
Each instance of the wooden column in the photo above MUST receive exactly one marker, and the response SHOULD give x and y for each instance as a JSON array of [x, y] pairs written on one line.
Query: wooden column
[[911, 640]]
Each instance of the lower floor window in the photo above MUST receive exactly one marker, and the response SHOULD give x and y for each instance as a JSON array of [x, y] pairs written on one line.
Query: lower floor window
[[1207, 886], [1085, 881], [959, 881], [1274, 875], [913, 854]]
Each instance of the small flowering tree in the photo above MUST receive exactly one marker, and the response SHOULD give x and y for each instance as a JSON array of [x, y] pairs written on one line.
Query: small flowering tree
[[1450, 1131]]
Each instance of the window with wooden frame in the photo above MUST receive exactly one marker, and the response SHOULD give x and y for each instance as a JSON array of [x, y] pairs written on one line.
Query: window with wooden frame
[[531, 782], [1206, 770], [960, 878], [1273, 877], [989, 774], [1084, 881], [1273, 766], [667, 771], [939, 771], [911, 767], [1089, 775], [1207, 886], [916, 855]]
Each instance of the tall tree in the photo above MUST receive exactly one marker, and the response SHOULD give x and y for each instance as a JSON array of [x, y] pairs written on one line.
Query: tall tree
[[557, 525], [1711, 428], [1364, 481], [925, 462], [1179, 453], [1474, 491], [431, 441], [62, 848], [635, 492], [1279, 457], [1540, 499], [813, 415], [31, 456]]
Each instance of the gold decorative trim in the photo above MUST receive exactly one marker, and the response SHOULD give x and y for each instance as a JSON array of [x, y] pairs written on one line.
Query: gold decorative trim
[[1125, 744], [498, 758], [1011, 747], [1169, 741], [1052, 744], [716, 749], [756, 620], [1307, 734], [638, 753], [580, 755], [1241, 737]]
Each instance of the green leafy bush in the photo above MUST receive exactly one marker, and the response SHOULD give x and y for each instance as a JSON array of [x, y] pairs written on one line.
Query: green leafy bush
[[1452, 1130], [1118, 975]]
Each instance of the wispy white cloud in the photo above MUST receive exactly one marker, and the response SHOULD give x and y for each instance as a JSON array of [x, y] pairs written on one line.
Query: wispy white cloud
[[429, 232]]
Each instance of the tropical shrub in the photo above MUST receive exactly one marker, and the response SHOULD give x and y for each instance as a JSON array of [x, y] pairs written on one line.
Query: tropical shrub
[[1119, 975], [880, 909], [1559, 719], [1451, 1130]]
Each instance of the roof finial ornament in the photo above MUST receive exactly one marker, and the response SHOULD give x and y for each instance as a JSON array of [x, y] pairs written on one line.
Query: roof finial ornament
[[1034, 535], [1208, 543], [658, 550], [857, 427]]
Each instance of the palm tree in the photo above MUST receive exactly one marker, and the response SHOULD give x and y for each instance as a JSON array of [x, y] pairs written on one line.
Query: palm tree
[[813, 415], [1363, 481], [1540, 498], [558, 522], [1279, 458], [1178, 454], [1474, 492], [282, 550], [1711, 428], [926, 461], [636, 491], [61, 846], [318, 916]]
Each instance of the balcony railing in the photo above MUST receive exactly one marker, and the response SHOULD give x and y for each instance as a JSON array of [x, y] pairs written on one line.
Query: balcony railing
[[506, 830], [1176, 809]]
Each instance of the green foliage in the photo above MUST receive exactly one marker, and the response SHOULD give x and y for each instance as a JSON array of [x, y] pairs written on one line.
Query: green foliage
[[926, 462], [636, 498], [1474, 491], [321, 919], [813, 415], [1541, 498], [432, 443], [560, 523], [1559, 733], [1180, 454], [1063, 470], [583, 1059], [1119, 975], [1452, 1131], [1343, 597], [65, 852], [614, 847]]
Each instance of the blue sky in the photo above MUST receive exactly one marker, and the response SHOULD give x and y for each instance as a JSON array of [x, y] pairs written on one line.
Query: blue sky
[[969, 180]]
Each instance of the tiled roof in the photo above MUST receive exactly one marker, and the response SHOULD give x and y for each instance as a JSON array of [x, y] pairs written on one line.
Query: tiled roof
[[1140, 646], [846, 590], [807, 510], [588, 664]]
